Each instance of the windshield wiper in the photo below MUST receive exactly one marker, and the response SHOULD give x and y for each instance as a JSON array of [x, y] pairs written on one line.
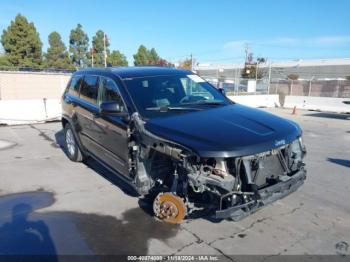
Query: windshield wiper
[[170, 108], [205, 102]]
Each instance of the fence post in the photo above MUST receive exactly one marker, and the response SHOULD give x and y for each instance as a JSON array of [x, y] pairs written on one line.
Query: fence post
[[310, 87], [45, 108], [338, 88], [235, 81], [268, 87], [239, 83], [217, 78]]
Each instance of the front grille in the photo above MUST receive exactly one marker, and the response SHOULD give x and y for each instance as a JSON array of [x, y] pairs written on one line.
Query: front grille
[[267, 168]]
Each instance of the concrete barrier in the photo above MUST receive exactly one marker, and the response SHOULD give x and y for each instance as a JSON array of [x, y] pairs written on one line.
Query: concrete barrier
[[328, 104], [257, 100], [32, 85], [14, 112]]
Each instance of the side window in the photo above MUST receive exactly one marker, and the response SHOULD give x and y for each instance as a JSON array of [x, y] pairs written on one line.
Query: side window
[[109, 92], [74, 85], [89, 89]]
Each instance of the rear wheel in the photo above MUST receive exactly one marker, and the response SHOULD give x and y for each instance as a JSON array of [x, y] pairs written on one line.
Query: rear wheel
[[70, 143]]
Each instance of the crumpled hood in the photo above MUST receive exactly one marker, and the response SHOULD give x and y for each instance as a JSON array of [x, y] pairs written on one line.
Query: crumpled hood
[[226, 131]]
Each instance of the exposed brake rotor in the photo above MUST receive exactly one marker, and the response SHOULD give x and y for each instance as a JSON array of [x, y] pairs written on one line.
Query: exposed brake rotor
[[169, 208]]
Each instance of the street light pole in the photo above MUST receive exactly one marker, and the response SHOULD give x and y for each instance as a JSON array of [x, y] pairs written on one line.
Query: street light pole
[[191, 62]]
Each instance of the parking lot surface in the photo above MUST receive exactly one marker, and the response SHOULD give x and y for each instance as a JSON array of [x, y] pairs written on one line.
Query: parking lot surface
[[50, 205]]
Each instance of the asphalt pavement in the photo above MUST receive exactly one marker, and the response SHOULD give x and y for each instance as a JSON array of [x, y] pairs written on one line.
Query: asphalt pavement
[[50, 205]]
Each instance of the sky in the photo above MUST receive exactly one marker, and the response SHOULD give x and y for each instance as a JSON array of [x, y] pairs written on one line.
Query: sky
[[215, 31]]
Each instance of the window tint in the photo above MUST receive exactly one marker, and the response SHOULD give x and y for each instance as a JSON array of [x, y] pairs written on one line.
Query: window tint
[[108, 92], [74, 85], [89, 89]]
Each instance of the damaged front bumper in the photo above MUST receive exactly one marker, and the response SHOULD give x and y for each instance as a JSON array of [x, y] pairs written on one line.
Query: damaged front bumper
[[286, 186]]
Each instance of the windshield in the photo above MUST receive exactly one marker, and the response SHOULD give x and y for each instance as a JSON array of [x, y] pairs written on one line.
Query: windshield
[[163, 95]]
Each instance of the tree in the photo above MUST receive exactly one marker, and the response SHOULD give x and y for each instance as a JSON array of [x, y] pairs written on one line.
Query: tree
[[163, 62], [78, 46], [57, 55], [149, 57], [293, 77], [251, 69], [142, 56], [116, 58], [153, 57], [261, 60], [186, 64], [22, 43], [98, 46], [4, 62]]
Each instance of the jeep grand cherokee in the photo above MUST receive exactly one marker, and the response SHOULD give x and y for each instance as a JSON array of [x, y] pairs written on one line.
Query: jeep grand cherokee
[[172, 135]]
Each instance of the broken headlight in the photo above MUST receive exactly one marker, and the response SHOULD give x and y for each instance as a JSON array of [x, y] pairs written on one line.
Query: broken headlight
[[296, 151]]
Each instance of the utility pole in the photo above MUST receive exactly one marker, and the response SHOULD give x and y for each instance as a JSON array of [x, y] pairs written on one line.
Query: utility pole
[[191, 62], [246, 52], [104, 49]]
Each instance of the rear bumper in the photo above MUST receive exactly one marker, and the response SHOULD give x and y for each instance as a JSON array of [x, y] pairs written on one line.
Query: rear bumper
[[265, 196]]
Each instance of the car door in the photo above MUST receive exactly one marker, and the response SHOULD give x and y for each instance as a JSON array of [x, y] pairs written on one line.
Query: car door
[[112, 129], [85, 111]]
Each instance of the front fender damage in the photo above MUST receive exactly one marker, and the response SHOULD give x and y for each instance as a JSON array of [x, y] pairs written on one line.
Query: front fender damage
[[142, 146], [232, 187]]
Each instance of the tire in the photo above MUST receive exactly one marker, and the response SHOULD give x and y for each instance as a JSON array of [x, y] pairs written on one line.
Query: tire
[[71, 146]]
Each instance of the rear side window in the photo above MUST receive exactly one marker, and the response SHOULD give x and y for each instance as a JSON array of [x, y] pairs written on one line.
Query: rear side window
[[89, 89], [74, 85]]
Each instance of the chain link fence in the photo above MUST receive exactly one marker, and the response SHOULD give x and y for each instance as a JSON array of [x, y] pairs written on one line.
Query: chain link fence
[[320, 88], [234, 84]]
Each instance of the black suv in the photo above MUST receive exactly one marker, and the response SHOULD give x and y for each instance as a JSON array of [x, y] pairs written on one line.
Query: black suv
[[175, 137]]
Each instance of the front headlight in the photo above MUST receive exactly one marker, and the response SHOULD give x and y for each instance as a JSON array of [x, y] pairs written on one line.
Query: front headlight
[[302, 145], [296, 151]]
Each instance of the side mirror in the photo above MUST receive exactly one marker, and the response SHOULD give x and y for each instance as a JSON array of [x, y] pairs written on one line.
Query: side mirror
[[112, 108], [222, 91]]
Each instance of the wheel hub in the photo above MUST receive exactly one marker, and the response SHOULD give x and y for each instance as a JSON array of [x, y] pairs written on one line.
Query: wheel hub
[[169, 207]]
